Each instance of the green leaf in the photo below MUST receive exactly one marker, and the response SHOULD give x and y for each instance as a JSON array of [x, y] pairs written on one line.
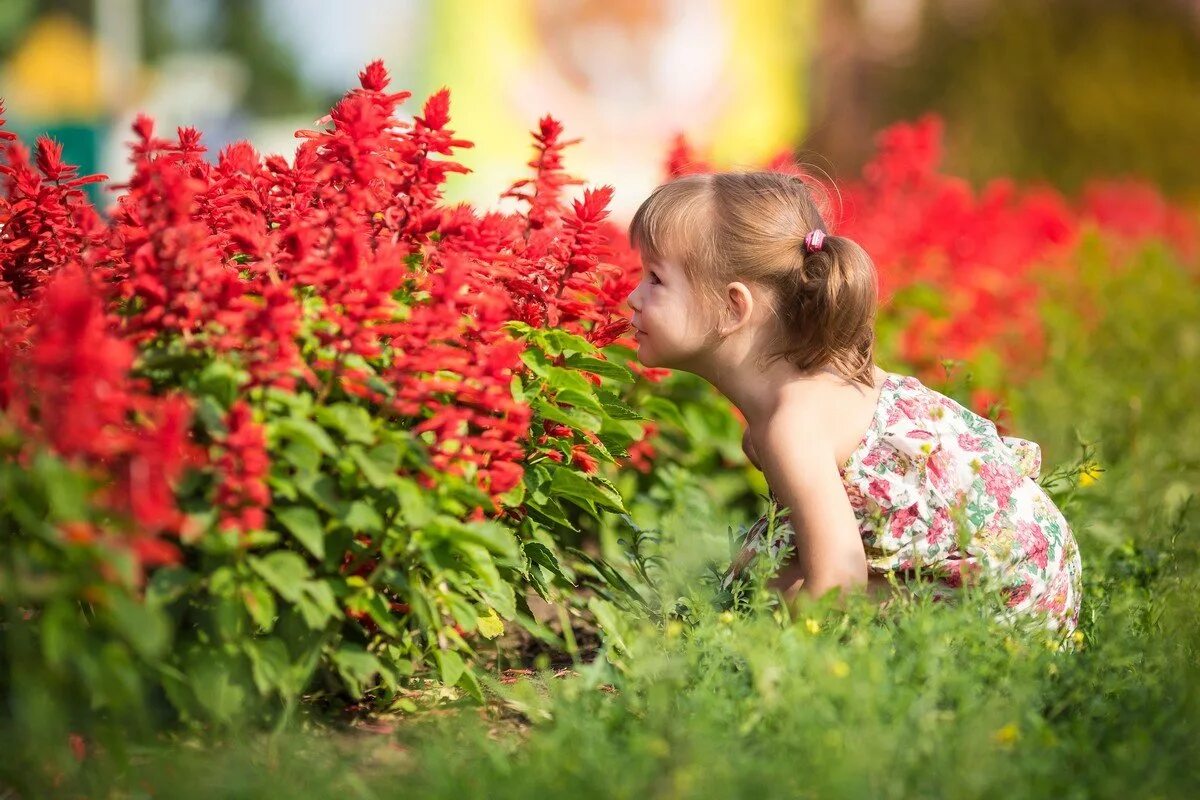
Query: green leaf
[[570, 484], [606, 616], [322, 490], [378, 466], [219, 682], [302, 456], [59, 625], [517, 388], [462, 611], [470, 684], [414, 503], [599, 366], [662, 409], [168, 585], [285, 571], [254, 539], [306, 431], [561, 379], [260, 604], [304, 523], [220, 381], [211, 416], [575, 417], [317, 604], [66, 490], [353, 421], [493, 536], [541, 555], [610, 574], [615, 408], [549, 512], [357, 667], [450, 664], [269, 666], [362, 517], [377, 606], [145, 628], [579, 399], [536, 361], [559, 342]]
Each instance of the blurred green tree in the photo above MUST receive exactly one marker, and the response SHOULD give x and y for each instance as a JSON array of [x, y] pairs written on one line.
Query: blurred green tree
[[237, 27], [1059, 91]]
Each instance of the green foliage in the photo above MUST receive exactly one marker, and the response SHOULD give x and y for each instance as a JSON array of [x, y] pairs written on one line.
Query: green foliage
[[369, 576], [1061, 91]]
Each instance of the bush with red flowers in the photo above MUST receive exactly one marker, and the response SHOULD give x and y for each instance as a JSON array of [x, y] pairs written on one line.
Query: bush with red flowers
[[305, 423]]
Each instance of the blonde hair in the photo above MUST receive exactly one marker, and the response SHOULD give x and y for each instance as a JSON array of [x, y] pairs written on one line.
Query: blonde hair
[[750, 226]]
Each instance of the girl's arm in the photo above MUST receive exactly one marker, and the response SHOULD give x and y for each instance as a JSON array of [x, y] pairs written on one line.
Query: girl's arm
[[798, 461]]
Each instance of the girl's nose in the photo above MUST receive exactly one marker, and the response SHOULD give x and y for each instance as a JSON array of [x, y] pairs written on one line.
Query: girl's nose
[[633, 300]]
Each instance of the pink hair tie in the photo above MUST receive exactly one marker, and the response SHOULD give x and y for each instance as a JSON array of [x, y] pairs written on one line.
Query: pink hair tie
[[814, 241]]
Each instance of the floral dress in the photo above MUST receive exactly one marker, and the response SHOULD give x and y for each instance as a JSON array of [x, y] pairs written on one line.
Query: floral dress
[[935, 487]]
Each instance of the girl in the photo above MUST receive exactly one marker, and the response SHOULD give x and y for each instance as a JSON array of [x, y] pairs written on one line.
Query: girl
[[743, 285]]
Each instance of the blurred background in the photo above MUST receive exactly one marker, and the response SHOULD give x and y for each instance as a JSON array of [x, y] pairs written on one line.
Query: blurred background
[[1060, 91]]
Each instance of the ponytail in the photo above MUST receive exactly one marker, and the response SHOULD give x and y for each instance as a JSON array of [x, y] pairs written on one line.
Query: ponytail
[[827, 305]]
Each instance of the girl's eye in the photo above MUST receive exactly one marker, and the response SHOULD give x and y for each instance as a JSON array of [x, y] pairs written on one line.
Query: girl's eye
[[654, 278]]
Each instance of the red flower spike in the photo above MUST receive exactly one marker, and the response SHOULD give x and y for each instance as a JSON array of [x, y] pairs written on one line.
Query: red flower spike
[[374, 78]]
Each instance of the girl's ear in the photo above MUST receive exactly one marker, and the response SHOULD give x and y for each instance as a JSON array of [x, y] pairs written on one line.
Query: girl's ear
[[739, 306]]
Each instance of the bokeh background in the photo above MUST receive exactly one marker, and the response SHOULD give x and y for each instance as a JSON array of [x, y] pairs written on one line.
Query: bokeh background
[[1062, 92], [1066, 308]]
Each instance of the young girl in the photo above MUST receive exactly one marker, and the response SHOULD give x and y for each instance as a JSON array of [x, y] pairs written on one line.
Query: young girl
[[743, 285]]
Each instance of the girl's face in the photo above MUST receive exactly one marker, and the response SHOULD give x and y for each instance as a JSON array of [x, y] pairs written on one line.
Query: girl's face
[[667, 317]]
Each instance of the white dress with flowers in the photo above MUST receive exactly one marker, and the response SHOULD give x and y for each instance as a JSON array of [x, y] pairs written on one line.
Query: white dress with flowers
[[934, 484]]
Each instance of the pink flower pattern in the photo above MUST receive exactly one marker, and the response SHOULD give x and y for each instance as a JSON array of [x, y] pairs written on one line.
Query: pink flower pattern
[[934, 486]]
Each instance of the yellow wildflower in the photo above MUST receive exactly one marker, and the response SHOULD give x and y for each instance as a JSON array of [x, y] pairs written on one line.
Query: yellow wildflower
[[813, 626], [1090, 474], [1007, 735]]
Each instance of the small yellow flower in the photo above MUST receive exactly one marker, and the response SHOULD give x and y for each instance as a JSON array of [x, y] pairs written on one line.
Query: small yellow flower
[[839, 669], [1007, 735], [1090, 474], [727, 617], [1078, 637], [674, 628], [813, 626]]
